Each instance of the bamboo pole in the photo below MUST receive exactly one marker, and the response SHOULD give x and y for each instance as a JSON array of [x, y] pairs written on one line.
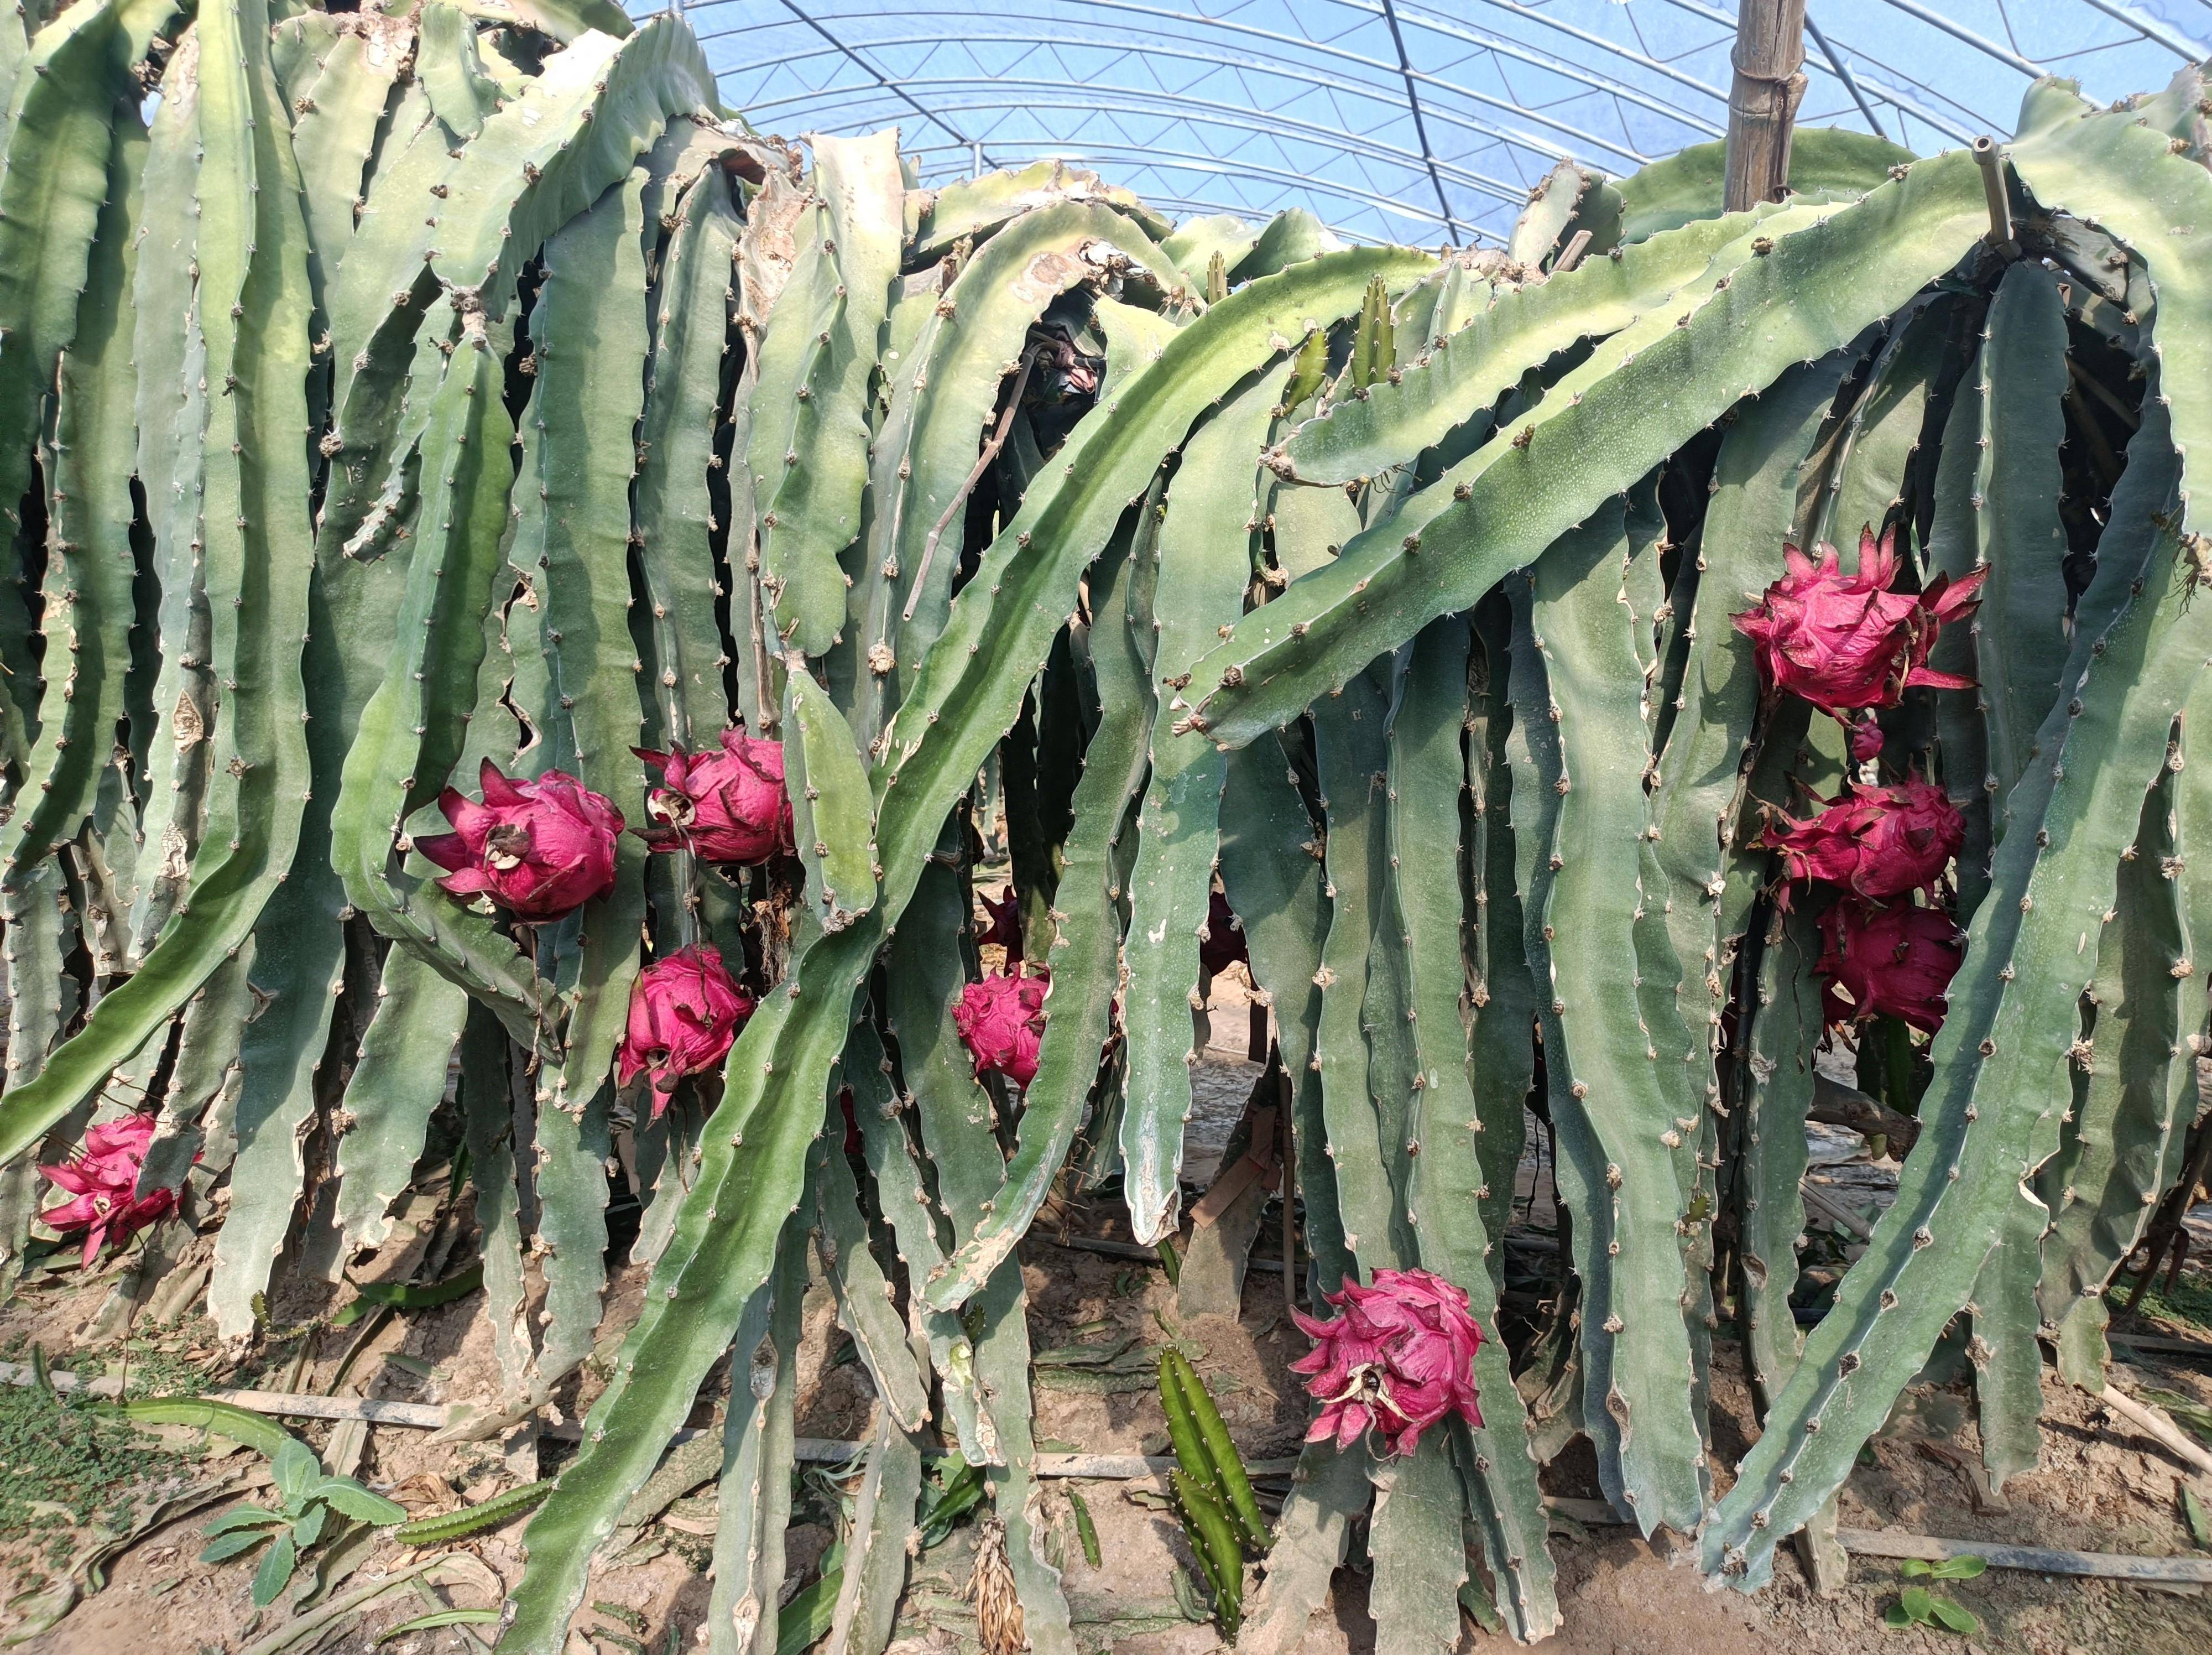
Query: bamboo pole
[[2157, 1424], [374, 1410], [1769, 57], [2036, 1559]]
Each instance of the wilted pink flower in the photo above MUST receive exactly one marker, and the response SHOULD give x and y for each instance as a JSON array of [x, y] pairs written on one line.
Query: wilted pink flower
[[1223, 945], [1003, 924], [1879, 841], [104, 1179], [1897, 960], [540, 848], [1399, 1359], [684, 1013], [1847, 641], [1001, 1018], [727, 806]]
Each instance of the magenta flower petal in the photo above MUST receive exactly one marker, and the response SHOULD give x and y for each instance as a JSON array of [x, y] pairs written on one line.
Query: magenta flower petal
[[85, 1210], [499, 792], [68, 1177], [1003, 917], [470, 819], [103, 1179]]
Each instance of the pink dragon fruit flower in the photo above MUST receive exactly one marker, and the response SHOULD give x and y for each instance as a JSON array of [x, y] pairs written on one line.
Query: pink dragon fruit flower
[[104, 1179], [1398, 1360], [685, 1010], [1897, 960], [727, 806], [1877, 842], [1001, 1018], [539, 848], [1845, 642]]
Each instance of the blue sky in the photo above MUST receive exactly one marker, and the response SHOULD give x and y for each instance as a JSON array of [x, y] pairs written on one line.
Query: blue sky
[[1250, 106]]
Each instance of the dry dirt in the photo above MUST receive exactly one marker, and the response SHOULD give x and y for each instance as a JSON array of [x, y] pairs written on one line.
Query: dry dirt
[[2097, 1489]]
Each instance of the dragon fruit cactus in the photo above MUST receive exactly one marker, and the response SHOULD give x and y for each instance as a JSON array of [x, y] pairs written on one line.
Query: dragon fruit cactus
[[540, 848], [685, 1010], [726, 806], [1001, 1018], [1398, 1360]]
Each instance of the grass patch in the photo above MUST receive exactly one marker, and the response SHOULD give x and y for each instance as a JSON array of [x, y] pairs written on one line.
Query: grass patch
[[157, 1361], [67, 1464], [2190, 1300]]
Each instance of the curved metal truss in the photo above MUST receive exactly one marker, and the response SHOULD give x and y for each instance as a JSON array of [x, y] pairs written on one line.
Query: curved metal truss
[[1425, 121]]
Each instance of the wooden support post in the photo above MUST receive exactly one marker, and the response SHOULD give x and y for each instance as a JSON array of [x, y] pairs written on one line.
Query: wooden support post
[[1769, 56]]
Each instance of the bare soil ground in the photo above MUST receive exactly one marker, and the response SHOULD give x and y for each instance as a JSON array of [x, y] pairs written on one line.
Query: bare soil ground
[[2097, 1487]]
